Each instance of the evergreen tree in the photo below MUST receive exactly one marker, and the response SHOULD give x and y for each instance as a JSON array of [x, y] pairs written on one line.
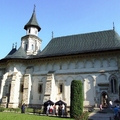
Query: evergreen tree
[[76, 106]]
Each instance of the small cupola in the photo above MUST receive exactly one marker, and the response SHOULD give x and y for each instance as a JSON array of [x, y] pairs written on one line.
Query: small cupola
[[32, 27]]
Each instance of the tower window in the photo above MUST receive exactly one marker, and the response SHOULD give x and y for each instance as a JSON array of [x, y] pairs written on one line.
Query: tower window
[[32, 47], [40, 88], [35, 31], [26, 47], [29, 31]]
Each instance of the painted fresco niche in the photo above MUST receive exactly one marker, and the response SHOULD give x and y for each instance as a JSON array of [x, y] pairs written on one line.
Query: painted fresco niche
[[79, 78], [105, 63], [102, 78], [56, 66], [42, 67], [72, 64], [113, 62], [20, 67], [29, 69], [80, 64], [89, 89], [97, 63], [36, 67], [65, 65], [88, 64], [49, 67]]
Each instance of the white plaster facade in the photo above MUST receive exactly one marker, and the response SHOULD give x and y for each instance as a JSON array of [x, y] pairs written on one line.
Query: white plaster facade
[[95, 72]]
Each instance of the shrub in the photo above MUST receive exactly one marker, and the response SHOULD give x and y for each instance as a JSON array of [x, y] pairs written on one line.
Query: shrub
[[76, 106], [83, 116], [2, 109]]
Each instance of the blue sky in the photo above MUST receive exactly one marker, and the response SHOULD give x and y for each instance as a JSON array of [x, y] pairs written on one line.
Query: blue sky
[[63, 17]]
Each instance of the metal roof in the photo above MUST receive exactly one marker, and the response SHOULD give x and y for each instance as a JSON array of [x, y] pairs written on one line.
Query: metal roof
[[32, 22], [74, 44]]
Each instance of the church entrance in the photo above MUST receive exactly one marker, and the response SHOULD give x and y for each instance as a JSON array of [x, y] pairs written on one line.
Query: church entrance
[[104, 100]]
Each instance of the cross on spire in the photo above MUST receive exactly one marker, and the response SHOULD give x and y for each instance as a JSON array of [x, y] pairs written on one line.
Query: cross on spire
[[52, 34], [113, 26], [34, 8]]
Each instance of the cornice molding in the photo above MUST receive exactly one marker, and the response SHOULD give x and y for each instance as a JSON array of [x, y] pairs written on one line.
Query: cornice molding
[[30, 36], [56, 58]]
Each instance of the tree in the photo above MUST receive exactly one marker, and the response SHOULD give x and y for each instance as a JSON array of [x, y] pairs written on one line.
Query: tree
[[76, 105]]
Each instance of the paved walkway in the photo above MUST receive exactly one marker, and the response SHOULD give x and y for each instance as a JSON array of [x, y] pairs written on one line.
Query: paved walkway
[[106, 114]]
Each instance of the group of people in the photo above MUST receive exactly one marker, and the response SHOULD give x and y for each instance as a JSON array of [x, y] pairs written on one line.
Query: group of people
[[115, 109], [56, 110]]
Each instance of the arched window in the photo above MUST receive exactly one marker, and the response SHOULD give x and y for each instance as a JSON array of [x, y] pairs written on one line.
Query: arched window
[[60, 89], [21, 88], [40, 88], [113, 85]]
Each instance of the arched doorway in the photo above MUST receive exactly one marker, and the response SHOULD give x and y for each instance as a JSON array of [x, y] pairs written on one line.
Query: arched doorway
[[104, 99]]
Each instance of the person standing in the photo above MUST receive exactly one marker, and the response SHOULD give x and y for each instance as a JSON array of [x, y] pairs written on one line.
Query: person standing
[[23, 108], [101, 107], [56, 110], [63, 110], [115, 110], [110, 103], [48, 109]]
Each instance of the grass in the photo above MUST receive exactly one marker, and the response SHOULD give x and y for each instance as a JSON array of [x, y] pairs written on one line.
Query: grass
[[19, 116]]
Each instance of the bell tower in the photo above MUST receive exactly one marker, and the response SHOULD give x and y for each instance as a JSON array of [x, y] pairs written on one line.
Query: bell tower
[[31, 43]]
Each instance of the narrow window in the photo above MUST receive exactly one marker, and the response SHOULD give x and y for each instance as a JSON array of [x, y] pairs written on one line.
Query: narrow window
[[40, 88], [29, 30], [60, 88], [21, 88], [9, 88], [113, 85]]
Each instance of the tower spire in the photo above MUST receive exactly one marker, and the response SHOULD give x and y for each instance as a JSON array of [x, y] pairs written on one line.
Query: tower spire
[[33, 21]]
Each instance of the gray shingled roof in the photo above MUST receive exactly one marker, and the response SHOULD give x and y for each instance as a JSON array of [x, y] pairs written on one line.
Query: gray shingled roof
[[74, 44], [82, 43], [20, 53], [32, 22], [12, 51]]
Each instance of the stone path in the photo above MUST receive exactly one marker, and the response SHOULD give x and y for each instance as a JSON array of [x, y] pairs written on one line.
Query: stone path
[[106, 114]]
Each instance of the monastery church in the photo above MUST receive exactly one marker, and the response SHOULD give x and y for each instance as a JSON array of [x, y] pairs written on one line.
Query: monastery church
[[33, 76]]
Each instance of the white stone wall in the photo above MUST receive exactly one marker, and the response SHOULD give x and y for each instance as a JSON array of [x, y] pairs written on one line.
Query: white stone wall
[[90, 70]]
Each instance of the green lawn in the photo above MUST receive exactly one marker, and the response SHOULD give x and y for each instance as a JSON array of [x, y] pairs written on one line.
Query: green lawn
[[19, 116]]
